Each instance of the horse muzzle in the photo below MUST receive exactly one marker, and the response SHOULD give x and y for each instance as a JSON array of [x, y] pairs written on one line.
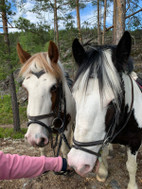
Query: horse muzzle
[[39, 140], [81, 162]]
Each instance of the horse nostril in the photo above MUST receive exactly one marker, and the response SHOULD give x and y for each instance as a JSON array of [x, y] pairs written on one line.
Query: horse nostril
[[42, 142], [86, 168]]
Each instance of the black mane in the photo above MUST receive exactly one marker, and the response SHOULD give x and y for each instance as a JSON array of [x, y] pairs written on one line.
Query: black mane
[[102, 63], [94, 60]]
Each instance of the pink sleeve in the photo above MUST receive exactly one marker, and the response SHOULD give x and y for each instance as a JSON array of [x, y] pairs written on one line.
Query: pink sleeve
[[15, 166]]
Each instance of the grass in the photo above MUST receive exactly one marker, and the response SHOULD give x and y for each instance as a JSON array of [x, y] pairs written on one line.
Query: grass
[[5, 110], [6, 114], [6, 117], [9, 133]]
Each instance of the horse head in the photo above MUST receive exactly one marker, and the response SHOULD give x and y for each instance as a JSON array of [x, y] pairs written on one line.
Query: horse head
[[97, 87], [42, 79]]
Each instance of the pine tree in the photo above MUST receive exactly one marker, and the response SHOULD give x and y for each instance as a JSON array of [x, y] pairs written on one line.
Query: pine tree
[[4, 9]]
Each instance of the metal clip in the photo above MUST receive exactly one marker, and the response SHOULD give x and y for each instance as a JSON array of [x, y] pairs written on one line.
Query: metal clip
[[106, 142]]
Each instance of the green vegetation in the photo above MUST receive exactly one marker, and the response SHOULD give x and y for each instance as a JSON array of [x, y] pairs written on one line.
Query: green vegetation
[[38, 42], [6, 116], [5, 110], [34, 42], [9, 133]]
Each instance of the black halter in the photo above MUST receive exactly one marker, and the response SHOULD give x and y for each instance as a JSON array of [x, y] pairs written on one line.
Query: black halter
[[56, 114], [110, 136], [35, 119]]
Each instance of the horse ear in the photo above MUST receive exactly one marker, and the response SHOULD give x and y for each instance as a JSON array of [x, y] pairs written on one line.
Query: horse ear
[[53, 52], [124, 48], [23, 55], [78, 52]]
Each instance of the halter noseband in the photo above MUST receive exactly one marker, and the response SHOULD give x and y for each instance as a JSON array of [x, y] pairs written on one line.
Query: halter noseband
[[109, 137], [80, 146], [35, 119]]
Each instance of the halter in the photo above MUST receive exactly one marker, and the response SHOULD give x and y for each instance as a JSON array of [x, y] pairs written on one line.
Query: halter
[[35, 119], [56, 114], [109, 137]]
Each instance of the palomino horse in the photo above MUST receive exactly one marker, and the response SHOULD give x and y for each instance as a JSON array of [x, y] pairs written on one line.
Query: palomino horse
[[108, 107], [50, 103]]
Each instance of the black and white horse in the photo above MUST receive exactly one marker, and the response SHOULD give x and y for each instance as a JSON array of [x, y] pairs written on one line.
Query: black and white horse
[[108, 107]]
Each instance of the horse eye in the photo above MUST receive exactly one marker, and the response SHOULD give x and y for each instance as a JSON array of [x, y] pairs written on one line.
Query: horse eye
[[53, 88], [111, 104]]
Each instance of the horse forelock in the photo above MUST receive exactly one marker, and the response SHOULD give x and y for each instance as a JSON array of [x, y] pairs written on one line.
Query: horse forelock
[[99, 65], [41, 61]]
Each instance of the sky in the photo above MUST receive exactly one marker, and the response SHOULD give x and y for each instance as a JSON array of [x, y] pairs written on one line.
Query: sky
[[88, 14]]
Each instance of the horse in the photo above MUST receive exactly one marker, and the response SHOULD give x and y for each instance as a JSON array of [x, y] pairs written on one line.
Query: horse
[[108, 108], [50, 106]]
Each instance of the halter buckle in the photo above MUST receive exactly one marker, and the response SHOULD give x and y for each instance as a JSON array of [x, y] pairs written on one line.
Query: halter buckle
[[57, 123]]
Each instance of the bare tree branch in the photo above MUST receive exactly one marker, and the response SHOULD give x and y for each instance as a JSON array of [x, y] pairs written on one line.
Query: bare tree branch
[[88, 41], [7, 20], [134, 13], [126, 18]]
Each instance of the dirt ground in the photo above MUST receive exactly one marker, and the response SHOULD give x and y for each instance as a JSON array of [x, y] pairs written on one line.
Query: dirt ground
[[117, 178]]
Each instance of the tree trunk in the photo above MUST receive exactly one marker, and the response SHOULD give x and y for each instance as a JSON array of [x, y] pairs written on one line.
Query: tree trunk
[[78, 20], [99, 24], [104, 25], [119, 19], [15, 108], [56, 24], [54, 29], [114, 21]]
